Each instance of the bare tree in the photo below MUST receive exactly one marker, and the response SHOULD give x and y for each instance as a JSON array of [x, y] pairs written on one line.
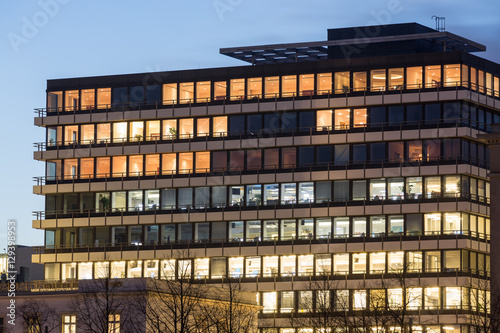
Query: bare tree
[[104, 305], [484, 301], [172, 305], [228, 309], [38, 316]]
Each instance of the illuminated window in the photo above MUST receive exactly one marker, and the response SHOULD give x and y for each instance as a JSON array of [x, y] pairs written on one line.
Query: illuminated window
[[395, 298], [167, 267], [342, 82], [323, 264], [185, 162], [118, 269], [489, 84], [68, 271], [84, 270], [342, 119], [169, 163], [432, 76], [252, 267], [288, 229], [70, 135], [70, 169], [151, 269], [359, 117], [395, 188], [87, 168], [169, 93], [237, 89], [88, 99], [378, 79], [396, 78], [186, 92], [473, 78], [101, 270], [71, 100], [359, 299], [480, 80], [272, 87], [341, 263], [254, 88], [496, 86], [104, 98], [451, 186], [306, 85], [235, 267], [119, 166], [306, 265], [270, 266], [103, 133], [153, 130], [186, 128], [377, 263], [203, 162], [324, 83], [341, 227], [452, 75], [288, 265], [288, 85], [119, 132], [359, 81], [134, 269], [453, 297], [220, 90], [414, 261], [203, 92], [87, 134], [135, 166], [395, 261], [69, 324], [432, 224], [114, 323], [201, 268], [184, 269], [414, 77], [414, 298], [152, 165], [169, 129], [202, 127], [433, 187], [359, 263], [136, 131], [342, 300], [433, 261], [324, 120], [269, 302], [432, 298]]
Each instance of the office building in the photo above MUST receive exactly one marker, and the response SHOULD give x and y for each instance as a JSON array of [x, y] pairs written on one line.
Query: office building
[[352, 162]]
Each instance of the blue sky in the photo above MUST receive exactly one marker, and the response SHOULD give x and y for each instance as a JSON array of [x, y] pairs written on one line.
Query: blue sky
[[48, 39]]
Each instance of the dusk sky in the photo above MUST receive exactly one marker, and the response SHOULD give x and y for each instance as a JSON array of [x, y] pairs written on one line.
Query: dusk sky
[[50, 39]]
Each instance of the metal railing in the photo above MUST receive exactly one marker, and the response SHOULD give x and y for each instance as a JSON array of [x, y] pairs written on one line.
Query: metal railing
[[267, 97], [264, 169], [260, 241], [268, 133], [41, 286]]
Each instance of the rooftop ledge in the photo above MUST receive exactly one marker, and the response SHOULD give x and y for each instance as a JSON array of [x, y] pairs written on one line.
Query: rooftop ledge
[[310, 51]]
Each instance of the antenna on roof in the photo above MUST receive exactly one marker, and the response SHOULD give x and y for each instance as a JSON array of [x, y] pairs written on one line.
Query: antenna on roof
[[440, 24]]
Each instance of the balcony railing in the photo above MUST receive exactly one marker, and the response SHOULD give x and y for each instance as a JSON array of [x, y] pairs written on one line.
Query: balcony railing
[[270, 97], [261, 241], [265, 169], [41, 286], [268, 133]]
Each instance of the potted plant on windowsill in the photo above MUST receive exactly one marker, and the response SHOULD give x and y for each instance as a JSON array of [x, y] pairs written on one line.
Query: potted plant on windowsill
[[172, 132], [105, 203]]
